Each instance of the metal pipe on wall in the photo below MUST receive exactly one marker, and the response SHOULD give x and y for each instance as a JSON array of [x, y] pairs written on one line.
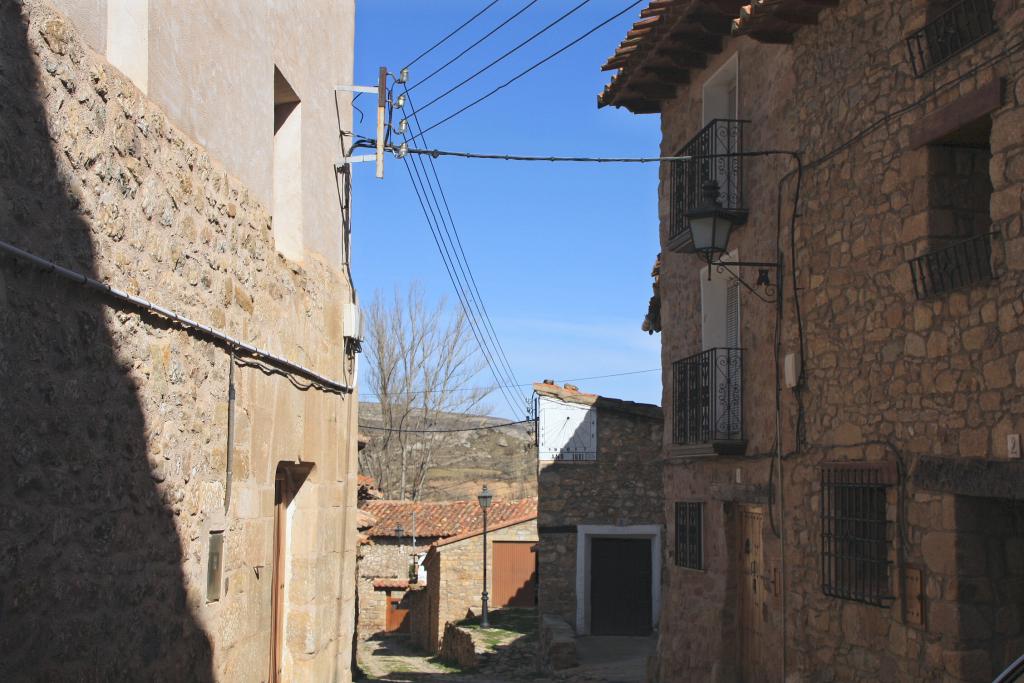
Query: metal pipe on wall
[[229, 457]]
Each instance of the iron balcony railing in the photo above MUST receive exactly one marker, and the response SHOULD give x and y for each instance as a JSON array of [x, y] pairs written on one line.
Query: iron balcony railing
[[720, 137], [708, 397], [953, 31], [959, 265]]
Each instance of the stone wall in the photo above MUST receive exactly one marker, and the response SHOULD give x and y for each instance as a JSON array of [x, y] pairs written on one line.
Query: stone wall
[[889, 379], [621, 488], [383, 558], [455, 577], [115, 427], [457, 647]]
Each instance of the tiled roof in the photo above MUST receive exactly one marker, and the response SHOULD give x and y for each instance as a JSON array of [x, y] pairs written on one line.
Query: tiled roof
[[476, 532], [674, 37], [390, 584], [443, 519], [572, 394]]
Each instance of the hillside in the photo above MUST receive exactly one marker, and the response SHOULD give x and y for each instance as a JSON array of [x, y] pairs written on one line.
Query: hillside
[[504, 458]]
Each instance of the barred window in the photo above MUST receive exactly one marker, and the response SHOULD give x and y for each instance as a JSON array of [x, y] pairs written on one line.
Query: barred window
[[690, 535], [855, 532]]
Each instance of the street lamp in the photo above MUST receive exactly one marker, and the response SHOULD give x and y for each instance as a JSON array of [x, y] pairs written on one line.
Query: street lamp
[[710, 227], [485, 502]]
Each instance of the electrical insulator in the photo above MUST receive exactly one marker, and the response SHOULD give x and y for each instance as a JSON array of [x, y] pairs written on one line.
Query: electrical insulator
[[403, 75], [400, 102]]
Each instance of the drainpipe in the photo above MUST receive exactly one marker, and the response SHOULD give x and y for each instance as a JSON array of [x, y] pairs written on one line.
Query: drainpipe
[[231, 431]]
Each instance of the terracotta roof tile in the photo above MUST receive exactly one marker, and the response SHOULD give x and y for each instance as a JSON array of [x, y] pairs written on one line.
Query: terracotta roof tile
[[648, 58], [442, 519]]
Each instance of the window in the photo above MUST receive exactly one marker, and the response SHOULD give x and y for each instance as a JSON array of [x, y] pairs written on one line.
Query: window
[[690, 535], [855, 532], [958, 251], [287, 208]]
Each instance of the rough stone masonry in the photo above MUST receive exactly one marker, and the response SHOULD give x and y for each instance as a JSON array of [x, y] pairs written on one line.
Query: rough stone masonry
[[113, 435]]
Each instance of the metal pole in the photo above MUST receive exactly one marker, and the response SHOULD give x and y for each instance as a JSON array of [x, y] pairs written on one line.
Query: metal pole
[[483, 616], [231, 431]]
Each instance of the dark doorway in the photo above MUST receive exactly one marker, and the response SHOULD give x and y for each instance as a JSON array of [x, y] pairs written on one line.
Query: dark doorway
[[620, 586]]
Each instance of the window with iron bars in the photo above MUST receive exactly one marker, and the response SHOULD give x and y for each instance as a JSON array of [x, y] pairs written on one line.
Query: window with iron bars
[[690, 535], [855, 532]]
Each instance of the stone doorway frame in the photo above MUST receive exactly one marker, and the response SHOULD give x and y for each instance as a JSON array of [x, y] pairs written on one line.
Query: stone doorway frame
[[584, 534]]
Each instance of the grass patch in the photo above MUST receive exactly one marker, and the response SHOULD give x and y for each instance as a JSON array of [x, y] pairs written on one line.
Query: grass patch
[[506, 624]]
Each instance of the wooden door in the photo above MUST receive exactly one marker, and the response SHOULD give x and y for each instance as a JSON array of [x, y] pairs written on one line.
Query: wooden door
[[513, 574], [282, 495], [397, 617], [752, 596], [287, 481], [620, 586]]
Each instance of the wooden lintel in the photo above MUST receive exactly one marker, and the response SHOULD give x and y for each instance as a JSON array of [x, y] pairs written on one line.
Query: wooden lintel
[[962, 111]]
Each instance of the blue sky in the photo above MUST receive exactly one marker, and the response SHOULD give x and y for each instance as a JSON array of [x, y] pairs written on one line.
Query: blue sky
[[561, 253]]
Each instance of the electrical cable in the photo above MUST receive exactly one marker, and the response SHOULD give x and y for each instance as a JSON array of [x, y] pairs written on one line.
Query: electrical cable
[[472, 279], [429, 216], [435, 153], [529, 69], [280, 364], [490, 33], [443, 431], [505, 55], [494, 387], [462, 26], [461, 284], [431, 219]]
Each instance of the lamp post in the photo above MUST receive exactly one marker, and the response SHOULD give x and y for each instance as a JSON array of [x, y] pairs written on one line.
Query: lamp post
[[398, 532], [485, 502]]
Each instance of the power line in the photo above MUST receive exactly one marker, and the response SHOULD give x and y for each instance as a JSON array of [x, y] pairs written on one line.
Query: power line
[[494, 387], [528, 70], [490, 33], [432, 213], [472, 279], [506, 54], [443, 431], [428, 215], [462, 26]]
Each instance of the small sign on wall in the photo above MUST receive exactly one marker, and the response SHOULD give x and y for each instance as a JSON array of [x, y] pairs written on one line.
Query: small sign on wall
[[566, 432]]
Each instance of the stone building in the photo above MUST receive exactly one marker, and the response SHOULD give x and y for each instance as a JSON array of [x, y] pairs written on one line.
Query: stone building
[[390, 564], [841, 473], [455, 576], [600, 514], [179, 498]]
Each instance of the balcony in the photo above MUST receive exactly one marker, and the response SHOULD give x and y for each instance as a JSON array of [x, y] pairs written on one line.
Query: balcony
[[959, 265], [952, 32], [708, 401], [720, 137]]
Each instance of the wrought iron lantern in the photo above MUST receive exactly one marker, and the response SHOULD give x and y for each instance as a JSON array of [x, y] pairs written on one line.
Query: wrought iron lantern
[[710, 224]]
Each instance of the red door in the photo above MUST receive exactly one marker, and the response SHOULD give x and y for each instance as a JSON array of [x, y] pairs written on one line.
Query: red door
[[397, 619], [513, 574]]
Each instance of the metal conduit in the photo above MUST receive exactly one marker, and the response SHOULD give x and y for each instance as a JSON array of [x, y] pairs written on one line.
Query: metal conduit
[[206, 330]]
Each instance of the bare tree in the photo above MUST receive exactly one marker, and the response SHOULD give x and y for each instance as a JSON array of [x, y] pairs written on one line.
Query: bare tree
[[421, 363]]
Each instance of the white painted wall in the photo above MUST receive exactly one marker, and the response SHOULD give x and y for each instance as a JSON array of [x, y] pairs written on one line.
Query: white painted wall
[[210, 66]]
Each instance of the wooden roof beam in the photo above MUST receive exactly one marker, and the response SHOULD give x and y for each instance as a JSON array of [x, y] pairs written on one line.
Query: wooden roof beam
[[667, 73]]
